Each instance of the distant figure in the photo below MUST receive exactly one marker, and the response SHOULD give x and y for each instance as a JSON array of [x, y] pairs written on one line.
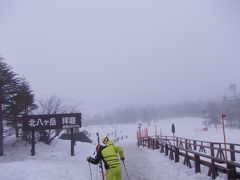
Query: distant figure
[[109, 155]]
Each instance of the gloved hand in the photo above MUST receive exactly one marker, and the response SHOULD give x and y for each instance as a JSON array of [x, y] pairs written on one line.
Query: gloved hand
[[122, 159], [88, 158]]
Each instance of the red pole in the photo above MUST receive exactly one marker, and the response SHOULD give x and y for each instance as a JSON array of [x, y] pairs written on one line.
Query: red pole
[[224, 135]]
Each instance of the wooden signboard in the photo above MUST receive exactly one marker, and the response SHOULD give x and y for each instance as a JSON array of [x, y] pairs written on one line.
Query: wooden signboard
[[51, 121]]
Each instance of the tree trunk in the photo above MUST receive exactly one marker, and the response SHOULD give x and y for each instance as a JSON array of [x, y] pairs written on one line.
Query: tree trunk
[[1, 131], [16, 126]]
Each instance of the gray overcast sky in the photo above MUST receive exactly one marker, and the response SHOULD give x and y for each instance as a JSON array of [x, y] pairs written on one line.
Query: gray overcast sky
[[106, 54]]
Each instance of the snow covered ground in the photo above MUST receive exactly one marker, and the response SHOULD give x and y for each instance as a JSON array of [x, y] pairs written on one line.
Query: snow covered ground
[[54, 161]]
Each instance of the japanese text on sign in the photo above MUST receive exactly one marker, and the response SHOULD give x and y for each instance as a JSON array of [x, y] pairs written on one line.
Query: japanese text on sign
[[51, 121], [41, 122]]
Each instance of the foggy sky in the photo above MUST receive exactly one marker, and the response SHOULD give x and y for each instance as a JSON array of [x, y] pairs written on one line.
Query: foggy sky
[[107, 54]]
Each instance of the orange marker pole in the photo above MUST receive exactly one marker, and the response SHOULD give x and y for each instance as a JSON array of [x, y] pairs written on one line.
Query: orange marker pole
[[224, 135]]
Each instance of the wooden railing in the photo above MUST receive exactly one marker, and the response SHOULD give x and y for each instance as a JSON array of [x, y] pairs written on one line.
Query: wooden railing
[[214, 155]]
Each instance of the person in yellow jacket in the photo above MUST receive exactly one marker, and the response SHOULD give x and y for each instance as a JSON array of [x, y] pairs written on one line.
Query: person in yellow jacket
[[109, 155]]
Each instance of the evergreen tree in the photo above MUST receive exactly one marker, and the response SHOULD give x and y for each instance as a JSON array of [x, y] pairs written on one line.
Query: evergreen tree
[[213, 113], [7, 82], [15, 97], [20, 103]]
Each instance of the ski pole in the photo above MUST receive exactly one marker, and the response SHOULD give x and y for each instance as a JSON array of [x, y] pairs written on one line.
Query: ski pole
[[97, 172], [125, 169], [90, 170], [100, 164]]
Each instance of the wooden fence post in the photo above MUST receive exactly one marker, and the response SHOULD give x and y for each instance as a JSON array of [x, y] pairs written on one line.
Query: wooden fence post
[[166, 149], [157, 144], [148, 142], [171, 154], [231, 171], [189, 145], [213, 170], [197, 163], [186, 144], [232, 153], [187, 160], [176, 154], [195, 145], [153, 144], [162, 148], [212, 149]]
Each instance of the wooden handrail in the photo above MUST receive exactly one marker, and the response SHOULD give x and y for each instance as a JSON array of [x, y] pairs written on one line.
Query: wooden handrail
[[215, 143], [210, 159]]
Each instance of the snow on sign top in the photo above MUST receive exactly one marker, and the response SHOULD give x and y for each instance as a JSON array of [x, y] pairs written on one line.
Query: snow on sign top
[[51, 121]]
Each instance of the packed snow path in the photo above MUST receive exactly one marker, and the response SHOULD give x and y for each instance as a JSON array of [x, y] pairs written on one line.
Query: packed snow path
[[55, 162], [145, 164]]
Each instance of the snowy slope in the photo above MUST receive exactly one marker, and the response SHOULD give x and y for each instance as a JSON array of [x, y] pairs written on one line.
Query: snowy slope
[[54, 161]]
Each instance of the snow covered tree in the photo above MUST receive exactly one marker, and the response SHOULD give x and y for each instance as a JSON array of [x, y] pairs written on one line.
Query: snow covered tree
[[7, 82], [15, 97], [51, 105], [213, 113], [21, 102], [232, 105]]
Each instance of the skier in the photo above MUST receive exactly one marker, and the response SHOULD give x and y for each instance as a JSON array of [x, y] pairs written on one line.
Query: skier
[[109, 155]]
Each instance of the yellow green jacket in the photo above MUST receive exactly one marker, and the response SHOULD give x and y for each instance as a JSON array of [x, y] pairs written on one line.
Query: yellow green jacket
[[109, 155]]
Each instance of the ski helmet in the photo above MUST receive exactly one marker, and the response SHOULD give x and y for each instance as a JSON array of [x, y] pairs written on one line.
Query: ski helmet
[[105, 140]]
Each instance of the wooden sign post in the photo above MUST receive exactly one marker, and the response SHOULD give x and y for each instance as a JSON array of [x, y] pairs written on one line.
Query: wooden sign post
[[33, 143], [72, 142], [35, 123]]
